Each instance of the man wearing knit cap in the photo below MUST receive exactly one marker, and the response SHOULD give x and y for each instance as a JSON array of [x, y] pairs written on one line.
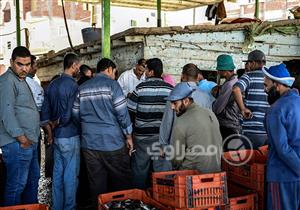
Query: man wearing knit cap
[[197, 141], [225, 106], [255, 104], [283, 129]]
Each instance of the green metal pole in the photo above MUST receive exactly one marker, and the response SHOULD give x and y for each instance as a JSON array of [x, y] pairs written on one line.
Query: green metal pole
[[256, 14], [18, 29], [105, 28], [158, 4]]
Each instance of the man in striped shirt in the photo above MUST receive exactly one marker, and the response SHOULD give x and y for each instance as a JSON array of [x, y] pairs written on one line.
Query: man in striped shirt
[[146, 106], [255, 103], [100, 108]]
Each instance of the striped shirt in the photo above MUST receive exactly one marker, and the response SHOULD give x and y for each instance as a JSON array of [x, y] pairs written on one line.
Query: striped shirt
[[101, 109], [147, 104], [252, 84]]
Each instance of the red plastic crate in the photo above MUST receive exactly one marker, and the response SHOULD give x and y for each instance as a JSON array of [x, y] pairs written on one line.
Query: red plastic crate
[[251, 174], [189, 189], [264, 150], [241, 198], [209, 208], [134, 194], [26, 207], [262, 203]]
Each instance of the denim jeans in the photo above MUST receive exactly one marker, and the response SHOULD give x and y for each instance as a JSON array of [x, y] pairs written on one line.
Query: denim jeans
[[65, 172], [22, 174]]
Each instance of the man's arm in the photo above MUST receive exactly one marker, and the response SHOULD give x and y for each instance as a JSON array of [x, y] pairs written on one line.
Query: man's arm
[[46, 116], [166, 125], [222, 99], [48, 129], [122, 82], [76, 110], [120, 106], [7, 110], [241, 86], [178, 147], [132, 105], [276, 127], [69, 101]]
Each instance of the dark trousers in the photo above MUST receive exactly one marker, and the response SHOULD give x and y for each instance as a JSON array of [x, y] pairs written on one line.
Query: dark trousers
[[83, 191], [144, 162], [283, 196], [107, 171], [257, 140], [225, 131]]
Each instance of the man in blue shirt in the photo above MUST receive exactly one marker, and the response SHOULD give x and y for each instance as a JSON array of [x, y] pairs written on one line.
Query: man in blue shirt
[[282, 124], [57, 113], [19, 131], [100, 108]]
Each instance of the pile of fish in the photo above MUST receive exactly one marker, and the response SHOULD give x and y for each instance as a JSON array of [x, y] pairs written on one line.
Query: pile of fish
[[128, 205]]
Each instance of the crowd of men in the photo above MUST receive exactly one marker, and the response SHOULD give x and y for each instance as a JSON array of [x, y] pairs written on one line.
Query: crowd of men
[[127, 128]]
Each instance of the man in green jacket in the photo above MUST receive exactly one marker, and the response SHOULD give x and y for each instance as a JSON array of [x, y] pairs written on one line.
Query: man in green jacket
[[197, 141]]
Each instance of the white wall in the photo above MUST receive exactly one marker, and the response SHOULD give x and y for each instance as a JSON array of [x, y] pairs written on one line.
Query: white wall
[[50, 34]]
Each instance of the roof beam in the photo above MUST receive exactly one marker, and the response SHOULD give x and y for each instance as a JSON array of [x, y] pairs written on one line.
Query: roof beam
[[166, 5]]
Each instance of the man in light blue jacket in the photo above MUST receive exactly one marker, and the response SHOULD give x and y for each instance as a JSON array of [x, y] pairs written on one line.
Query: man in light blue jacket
[[282, 124]]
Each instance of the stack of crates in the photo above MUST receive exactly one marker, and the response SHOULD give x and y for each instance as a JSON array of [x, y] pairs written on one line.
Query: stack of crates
[[190, 190], [250, 174]]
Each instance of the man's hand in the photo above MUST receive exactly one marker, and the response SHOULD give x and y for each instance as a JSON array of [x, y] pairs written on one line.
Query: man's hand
[[128, 95], [162, 153], [49, 139], [54, 124], [24, 141], [129, 143], [247, 114]]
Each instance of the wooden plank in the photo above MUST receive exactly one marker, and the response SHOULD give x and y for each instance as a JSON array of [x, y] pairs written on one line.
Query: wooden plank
[[134, 39], [216, 37], [279, 39], [285, 50]]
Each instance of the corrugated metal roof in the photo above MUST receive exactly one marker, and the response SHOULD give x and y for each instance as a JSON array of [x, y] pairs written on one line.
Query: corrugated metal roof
[[166, 5]]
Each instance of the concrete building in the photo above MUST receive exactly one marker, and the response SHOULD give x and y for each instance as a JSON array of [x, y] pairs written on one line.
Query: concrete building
[[46, 28], [177, 46], [42, 25]]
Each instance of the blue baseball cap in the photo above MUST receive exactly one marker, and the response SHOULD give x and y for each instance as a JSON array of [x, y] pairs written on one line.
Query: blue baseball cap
[[181, 91], [280, 74]]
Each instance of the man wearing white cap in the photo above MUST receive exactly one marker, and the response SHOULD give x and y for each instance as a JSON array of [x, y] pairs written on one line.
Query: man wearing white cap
[[197, 141], [282, 124]]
